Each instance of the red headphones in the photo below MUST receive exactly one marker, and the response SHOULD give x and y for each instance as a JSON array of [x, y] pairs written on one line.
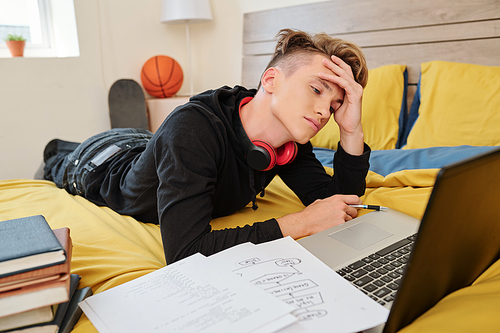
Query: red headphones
[[261, 155]]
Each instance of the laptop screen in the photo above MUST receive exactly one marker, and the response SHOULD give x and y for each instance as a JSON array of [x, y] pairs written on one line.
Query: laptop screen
[[458, 239]]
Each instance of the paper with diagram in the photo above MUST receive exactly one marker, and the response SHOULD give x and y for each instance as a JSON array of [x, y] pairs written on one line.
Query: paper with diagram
[[321, 298]]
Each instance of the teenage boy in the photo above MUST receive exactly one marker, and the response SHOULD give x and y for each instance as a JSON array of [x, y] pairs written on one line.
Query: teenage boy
[[213, 155]]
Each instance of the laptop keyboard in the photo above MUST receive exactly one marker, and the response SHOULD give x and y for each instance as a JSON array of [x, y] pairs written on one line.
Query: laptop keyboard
[[379, 274]]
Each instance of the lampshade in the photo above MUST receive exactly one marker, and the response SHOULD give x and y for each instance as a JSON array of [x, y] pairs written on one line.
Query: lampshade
[[180, 11]]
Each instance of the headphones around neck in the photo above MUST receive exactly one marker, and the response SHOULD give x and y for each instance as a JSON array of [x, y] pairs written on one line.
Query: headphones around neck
[[260, 155], [263, 157]]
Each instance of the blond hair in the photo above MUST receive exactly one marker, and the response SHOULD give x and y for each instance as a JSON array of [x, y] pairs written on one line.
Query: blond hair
[[294, 47]]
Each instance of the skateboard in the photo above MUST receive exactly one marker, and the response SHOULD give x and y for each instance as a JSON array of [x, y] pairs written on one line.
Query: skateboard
[[127, 105]]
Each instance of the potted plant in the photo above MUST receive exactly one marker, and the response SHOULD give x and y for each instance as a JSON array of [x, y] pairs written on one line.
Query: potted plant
[[16, 44]]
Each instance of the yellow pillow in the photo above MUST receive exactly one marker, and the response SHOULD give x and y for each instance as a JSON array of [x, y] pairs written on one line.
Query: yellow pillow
[[382, 106], [459, 105]]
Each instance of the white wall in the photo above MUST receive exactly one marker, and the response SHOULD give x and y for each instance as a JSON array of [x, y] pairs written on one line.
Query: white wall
[[45, 98]]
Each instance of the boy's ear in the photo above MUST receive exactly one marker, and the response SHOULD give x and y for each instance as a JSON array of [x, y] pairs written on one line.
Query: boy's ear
[[268, 79]]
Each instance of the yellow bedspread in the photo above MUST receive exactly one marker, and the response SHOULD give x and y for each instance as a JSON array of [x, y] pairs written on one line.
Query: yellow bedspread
[[110, 249]]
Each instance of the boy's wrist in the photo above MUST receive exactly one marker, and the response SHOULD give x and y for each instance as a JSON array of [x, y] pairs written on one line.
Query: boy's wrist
[[353, 143], [291, 225]]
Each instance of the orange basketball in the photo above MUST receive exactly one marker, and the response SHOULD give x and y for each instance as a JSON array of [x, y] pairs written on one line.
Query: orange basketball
[[162, 76]]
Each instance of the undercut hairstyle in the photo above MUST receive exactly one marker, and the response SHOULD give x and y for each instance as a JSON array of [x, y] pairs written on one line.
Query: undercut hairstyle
[[295, 48]]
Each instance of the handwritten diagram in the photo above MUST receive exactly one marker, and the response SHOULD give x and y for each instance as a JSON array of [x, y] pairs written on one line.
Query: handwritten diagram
[[321, 298], [281, 277]]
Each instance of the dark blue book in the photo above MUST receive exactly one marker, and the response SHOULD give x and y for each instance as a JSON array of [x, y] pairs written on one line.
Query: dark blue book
[[28, 243], [74, 312]]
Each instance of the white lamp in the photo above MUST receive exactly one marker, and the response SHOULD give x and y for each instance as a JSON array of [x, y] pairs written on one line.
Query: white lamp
[[186, 11]]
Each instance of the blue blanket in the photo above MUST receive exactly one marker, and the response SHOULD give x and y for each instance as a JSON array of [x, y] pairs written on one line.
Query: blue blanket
[[385, 162]]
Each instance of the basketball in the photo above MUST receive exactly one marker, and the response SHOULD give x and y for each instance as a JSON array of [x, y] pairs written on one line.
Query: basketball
[[162, 76]]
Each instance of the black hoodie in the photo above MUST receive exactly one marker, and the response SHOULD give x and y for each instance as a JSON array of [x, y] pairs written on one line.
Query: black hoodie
[[194, 170]]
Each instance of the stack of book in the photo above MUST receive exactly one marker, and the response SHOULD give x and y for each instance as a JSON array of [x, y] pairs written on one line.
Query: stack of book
[[36, 287]]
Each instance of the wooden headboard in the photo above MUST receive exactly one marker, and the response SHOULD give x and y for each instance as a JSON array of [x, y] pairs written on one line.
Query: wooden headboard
[[406, 32]]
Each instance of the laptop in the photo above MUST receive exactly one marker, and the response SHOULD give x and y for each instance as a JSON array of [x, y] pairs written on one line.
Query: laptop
[[457, 239]]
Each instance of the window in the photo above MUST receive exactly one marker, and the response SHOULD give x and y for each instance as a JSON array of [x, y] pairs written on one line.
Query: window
[[49, 27]]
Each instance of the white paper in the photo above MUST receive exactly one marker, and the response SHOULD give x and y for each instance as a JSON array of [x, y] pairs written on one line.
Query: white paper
[[322, 299], [191, 295]]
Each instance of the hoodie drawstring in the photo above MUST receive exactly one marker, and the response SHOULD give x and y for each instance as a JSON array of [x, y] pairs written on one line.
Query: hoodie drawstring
[[252, 186]]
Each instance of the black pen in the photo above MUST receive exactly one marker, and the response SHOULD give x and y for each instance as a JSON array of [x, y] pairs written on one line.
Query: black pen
[[374, 207]]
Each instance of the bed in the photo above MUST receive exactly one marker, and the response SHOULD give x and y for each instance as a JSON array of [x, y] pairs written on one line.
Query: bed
[[433, 98]]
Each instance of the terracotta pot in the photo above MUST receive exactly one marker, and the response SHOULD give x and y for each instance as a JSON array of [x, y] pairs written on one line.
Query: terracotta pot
[[16, 47]]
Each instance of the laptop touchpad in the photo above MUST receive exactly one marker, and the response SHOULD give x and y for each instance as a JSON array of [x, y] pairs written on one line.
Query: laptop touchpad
[[361, 235]]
